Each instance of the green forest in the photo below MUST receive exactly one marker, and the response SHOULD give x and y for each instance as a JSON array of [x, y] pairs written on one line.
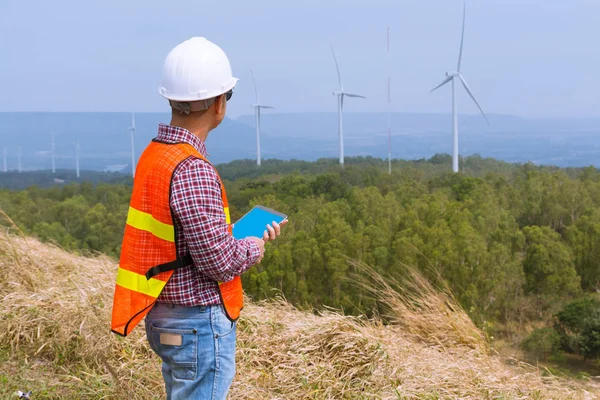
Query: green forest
[[518, 245]]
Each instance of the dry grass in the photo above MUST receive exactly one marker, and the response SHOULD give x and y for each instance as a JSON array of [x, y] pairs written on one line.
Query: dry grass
[[55, 340], [430, 314]]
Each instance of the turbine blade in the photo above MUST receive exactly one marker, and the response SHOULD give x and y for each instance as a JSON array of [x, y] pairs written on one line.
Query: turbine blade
[[255, 88], [448, 79], [464, 82], [342, 103], [388, 39], [266, 107], [353, 95], [462, 39], [338, 69], [133, 120]]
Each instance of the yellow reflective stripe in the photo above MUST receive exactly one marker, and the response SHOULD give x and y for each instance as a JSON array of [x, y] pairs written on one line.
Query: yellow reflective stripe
[[227, 215], [139, 283], [146, 222]]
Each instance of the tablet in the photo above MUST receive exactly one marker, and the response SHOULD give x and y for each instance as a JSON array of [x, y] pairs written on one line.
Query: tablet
[[254, 223]]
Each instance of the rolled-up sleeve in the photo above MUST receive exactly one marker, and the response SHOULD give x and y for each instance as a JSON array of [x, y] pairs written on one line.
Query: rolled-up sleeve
[[197, 204]]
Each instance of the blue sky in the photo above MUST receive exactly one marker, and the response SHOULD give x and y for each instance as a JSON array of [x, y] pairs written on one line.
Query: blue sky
[[524, 57]]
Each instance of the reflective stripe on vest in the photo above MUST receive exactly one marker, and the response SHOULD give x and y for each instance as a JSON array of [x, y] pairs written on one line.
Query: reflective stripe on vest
[[227, 215], [146, 222], [139, 283], [150, 240]]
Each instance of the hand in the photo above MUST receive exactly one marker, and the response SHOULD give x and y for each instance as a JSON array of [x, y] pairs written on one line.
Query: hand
[[273, 231], [261, 246]]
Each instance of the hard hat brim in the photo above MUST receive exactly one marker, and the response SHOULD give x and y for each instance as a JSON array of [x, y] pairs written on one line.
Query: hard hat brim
[[191, 97]]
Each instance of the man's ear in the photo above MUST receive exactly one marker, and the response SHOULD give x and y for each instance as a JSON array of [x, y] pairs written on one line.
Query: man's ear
[[220, 105]]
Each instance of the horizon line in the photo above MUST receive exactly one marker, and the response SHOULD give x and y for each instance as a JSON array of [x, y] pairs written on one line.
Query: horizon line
[[424, 113]]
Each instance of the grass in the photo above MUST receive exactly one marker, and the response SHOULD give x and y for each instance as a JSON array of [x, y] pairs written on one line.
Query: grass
[[55, 340]]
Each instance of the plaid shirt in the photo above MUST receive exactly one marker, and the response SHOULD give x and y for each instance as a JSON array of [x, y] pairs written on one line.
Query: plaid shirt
[[201, 230]]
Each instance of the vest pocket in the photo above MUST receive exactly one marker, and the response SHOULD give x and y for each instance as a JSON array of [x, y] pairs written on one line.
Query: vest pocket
[[178, 348]]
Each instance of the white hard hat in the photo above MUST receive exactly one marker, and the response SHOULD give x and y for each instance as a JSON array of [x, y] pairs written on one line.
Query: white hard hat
[[197, 69]]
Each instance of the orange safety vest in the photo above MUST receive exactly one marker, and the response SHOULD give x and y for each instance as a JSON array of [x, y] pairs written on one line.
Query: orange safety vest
[[149, 250]]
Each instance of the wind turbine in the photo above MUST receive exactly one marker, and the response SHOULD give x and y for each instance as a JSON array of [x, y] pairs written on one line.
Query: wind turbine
[[341, 93], [257, 108], [77, 157], [19, 151], [53, 163], [132, 130], [452, 77], [389, 100]]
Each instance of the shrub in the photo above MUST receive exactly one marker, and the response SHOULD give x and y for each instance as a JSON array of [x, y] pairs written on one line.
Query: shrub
[[578, 326], [542, 343]]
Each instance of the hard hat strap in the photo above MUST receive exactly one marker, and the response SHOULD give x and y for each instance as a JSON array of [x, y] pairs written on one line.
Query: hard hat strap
[[186, 108]]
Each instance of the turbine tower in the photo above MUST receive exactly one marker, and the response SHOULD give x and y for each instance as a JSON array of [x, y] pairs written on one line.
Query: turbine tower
[[19, 166], [132, 131], [77, 158], [53, 163], [341, 93], [452, 77], [5, 164], [389, 100], [257, 108]]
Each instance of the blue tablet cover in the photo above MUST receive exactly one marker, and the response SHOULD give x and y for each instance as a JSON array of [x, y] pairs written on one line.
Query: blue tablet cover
[[254, 223]]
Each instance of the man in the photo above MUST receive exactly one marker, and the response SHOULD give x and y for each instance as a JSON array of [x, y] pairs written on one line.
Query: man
[[180, 266]]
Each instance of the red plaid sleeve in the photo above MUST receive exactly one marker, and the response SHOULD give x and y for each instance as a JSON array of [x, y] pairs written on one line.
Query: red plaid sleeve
[[197, 206]]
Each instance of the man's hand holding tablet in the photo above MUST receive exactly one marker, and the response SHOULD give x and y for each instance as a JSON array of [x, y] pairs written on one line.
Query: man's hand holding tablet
[[252, 226]]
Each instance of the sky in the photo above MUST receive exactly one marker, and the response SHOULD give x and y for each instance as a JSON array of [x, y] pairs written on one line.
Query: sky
[[531, 58]]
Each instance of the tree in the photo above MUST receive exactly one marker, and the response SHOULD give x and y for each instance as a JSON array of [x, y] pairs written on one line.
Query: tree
[[584, 239], [578, 325], [548, 266]]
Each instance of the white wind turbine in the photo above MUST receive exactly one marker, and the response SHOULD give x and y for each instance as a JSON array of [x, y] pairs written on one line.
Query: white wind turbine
[[257, 108], [53, 162], [340, 95], [451, 77], [77, 158], [132, 131], [389, 103], [19, 157]]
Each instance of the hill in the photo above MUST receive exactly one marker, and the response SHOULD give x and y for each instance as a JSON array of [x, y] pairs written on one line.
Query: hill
[[550, 141], [56, 342], [46, 179], [518, 245], [105, 140]]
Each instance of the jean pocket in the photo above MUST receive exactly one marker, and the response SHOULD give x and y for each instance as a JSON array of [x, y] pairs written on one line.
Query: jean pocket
[[223, 325], [178, 348]]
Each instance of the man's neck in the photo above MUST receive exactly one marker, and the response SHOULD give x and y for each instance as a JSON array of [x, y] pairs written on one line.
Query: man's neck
[[197, 127]]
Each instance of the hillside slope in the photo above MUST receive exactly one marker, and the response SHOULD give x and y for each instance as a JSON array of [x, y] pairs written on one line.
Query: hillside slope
[[55, 341]]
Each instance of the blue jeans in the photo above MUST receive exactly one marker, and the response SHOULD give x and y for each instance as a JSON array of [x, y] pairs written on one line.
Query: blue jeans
[[197, 346]]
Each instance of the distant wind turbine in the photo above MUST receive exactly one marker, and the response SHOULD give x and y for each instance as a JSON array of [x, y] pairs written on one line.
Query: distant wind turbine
[[132, 130], [53, 164], [5, 164], [19, 166], [257, 108], [77, 158], [451, 77], [389, 100], [340, 95]]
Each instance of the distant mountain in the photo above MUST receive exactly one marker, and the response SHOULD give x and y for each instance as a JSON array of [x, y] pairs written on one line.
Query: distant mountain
[[319, 124], [562, 142], [105, 139]]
